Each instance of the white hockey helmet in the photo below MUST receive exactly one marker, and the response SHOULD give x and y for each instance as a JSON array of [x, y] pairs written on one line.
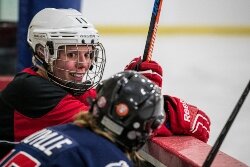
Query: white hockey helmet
[[52, 28]]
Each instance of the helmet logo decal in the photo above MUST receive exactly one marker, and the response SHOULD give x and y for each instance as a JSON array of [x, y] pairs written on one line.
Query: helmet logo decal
[[101, 102], [122, 110], [111, 125]]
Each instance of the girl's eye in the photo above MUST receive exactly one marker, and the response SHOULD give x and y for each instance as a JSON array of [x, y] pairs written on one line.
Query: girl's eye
[[71, 55], [88, 55]]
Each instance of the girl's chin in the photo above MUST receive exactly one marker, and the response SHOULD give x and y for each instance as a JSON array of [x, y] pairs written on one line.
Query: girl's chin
[[77, 80]]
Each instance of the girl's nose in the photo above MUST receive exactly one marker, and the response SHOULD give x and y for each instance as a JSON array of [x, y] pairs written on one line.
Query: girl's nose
[[82, 62]]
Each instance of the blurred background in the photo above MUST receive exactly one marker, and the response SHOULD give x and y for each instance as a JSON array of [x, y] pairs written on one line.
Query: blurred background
[[203, 47]]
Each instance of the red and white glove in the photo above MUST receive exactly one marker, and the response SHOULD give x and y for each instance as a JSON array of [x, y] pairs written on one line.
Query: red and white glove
[[186, 119], [150, 69]]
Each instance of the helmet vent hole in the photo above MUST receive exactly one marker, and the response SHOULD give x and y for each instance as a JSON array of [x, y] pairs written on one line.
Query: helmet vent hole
[[81, 20], [84, 20], [78, 20], [67, 36]]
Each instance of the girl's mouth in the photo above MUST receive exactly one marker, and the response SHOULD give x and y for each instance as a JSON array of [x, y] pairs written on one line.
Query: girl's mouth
[[77, 76]]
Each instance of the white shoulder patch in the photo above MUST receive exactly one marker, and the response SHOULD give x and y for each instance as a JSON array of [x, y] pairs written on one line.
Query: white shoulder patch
[[118, 164]]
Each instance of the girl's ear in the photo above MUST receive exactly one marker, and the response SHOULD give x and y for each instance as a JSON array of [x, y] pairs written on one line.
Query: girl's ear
[[40, 52]]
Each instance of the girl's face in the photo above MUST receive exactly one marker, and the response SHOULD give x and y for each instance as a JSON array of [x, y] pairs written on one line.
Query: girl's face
[[73, 62]]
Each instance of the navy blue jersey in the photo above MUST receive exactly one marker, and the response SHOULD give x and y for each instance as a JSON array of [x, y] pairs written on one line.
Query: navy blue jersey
[[66, 145]]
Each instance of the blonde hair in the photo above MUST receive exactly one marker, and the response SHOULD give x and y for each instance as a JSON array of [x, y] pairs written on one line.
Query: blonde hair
[[87, 120]]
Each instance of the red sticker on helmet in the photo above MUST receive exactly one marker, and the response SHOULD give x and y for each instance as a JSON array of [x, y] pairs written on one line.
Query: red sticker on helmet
[[121, 110]]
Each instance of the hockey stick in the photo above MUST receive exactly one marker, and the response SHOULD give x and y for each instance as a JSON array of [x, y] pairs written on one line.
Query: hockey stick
[[152, 31], [226, 128]]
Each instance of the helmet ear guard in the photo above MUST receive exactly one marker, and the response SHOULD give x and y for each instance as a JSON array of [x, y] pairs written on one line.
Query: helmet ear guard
[[38, 58]]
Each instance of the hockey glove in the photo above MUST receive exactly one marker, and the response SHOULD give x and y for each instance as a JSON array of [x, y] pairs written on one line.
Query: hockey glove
[[150, 69], [186, 119]]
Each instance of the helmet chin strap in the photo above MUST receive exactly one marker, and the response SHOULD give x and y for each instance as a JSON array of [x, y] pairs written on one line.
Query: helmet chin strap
[[78, 89], [37, 62], [40, 63]]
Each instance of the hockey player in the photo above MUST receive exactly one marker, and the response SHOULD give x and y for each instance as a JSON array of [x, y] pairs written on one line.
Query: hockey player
[[125, 114], [69, 62]]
